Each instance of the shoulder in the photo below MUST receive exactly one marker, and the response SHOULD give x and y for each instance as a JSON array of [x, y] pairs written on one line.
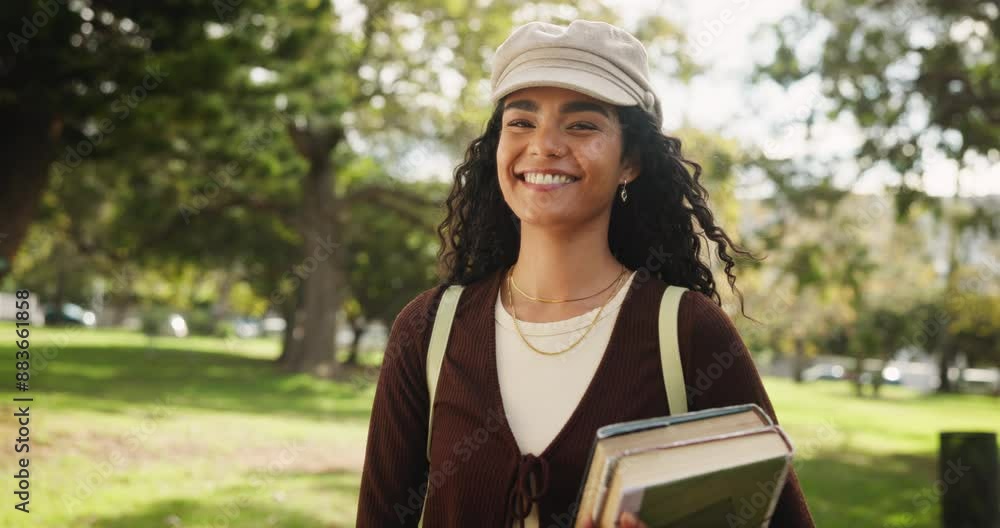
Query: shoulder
[[705, 331], [699, 309], [695, 309], [418, 314], [718, 368], [409, 335]]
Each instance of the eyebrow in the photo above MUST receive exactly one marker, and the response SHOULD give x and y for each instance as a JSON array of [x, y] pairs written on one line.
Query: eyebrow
[[567, 108]]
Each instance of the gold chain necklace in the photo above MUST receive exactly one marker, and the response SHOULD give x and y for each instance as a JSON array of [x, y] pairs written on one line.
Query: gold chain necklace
[[539, 299], [513, 313]]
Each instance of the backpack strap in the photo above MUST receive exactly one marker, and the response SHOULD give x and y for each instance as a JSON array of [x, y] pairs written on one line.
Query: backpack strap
[[435, 351], [670, 355], [435, 357]]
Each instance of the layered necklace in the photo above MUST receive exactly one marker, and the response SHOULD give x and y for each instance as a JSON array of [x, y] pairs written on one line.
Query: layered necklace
[[511, 285]]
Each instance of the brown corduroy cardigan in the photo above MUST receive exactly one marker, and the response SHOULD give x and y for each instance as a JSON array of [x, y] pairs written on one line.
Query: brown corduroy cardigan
[[477, 473]]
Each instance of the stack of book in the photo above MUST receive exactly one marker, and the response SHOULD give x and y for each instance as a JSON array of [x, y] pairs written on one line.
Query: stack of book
[[718, 467]]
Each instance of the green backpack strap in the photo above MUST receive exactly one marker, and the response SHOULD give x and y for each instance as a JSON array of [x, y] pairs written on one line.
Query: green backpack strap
[[435, 351], [435, 357], [670, 354]]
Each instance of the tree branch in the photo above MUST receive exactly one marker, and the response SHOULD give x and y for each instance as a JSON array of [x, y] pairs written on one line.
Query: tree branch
[[177, 224], [381, 193], [388, 198]]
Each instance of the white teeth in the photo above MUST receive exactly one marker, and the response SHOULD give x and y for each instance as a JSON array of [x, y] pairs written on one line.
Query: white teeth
[[543, 179]]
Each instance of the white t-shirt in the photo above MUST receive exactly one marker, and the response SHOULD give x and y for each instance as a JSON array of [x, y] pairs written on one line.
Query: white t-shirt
[[540, 392]]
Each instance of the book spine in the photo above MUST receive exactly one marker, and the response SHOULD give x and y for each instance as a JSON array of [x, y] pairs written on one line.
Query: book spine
[[578, 518], [779, 486], [604, 484]]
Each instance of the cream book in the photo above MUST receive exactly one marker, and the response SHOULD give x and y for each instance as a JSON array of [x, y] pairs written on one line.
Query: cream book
[[717, 467]]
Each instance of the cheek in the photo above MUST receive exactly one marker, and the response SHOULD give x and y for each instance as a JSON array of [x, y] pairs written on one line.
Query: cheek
[[504, 162], [599, 155], [505, 154]]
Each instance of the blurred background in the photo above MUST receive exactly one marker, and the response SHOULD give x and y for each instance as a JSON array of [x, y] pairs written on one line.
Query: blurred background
[[219, 207]]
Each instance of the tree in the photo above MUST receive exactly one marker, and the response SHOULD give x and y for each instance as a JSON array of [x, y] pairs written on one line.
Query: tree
[[74, 74], [919, 79], [807, 236], [880, 332], [390, 263], [974, 327]]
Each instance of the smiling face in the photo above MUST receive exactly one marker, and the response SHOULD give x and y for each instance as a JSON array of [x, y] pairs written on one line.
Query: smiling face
[[550, 133]]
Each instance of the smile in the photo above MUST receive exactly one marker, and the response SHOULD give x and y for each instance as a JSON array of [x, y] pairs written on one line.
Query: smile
[[546, 181]]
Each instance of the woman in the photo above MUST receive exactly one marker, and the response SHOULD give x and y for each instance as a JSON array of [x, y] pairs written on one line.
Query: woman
[[568, 218]]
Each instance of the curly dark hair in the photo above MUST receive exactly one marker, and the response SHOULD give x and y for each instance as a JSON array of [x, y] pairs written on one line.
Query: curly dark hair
[[480, 233]]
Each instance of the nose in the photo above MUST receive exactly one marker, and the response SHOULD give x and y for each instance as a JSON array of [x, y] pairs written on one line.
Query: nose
[[547, 140]]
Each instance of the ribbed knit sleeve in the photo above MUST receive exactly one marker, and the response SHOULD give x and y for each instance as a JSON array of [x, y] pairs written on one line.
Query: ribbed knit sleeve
[[394, 476], [719, 371]]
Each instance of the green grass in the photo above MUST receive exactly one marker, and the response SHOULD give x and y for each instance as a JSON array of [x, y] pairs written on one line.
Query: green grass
[[188, 432], [205, 432], [873, 462]]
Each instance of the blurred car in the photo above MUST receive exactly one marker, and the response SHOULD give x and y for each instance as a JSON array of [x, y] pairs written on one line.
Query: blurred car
[[890, 376], [824, 371], [69, 314], [246, 327], [253, 327], [273, 325]]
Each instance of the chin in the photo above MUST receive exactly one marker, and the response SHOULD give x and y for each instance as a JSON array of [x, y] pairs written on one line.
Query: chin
[[549, 220]]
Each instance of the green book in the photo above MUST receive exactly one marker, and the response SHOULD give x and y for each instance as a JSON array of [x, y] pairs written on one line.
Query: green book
[[717, 467]]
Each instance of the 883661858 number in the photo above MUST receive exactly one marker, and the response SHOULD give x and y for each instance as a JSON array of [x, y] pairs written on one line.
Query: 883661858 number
[[22, 356]]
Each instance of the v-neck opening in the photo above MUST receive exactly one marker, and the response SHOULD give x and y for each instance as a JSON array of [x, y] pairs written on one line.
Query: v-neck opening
[[587, 393]]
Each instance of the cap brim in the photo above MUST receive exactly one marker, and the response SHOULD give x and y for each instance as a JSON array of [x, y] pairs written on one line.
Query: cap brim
[[581, 81]]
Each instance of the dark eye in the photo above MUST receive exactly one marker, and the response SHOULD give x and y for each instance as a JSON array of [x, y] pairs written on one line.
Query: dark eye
[[584, 126], [520, 123]]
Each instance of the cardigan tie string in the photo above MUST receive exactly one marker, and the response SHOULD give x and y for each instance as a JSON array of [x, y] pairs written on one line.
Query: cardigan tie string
[[522, 494]]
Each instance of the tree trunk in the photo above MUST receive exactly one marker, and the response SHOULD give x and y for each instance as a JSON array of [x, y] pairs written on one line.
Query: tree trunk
[[292, 312], [27, 150], [359, 332], [859, 372], [118, 311], [944, 364], [59, 296], [320, 273], [220, 308], [946, 346], [798, 364]]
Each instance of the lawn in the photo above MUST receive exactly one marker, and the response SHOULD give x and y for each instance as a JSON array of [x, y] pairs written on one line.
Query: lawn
[[205, 432]]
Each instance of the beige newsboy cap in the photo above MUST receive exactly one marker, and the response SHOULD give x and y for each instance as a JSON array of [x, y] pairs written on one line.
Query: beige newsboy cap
[[594, 58]]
